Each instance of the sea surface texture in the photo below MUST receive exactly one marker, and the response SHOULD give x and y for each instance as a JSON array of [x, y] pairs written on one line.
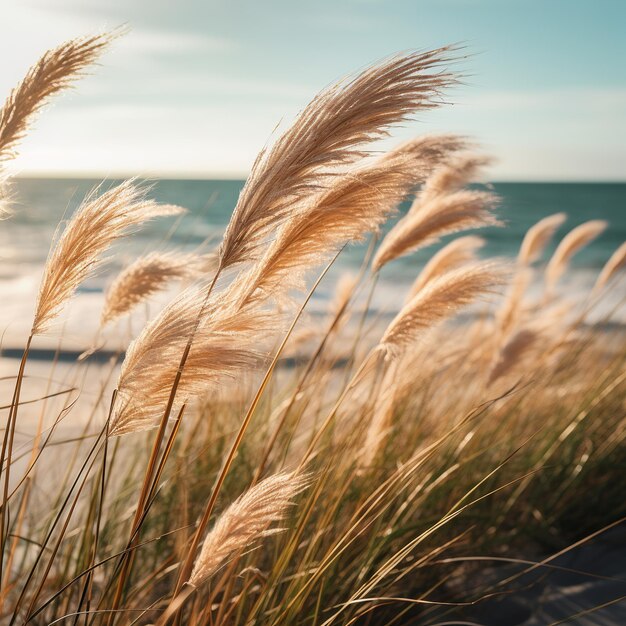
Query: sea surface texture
[[41, 205]]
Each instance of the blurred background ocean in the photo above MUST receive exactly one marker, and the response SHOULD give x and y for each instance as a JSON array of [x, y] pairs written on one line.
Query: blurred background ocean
[[41, 204]]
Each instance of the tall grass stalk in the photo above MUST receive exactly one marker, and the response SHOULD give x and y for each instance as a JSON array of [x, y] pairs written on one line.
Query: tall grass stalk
[[260, 463]]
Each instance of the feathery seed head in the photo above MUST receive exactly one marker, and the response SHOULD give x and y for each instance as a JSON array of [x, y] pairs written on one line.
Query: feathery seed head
[[246, 521], [440, 299], [613, 265], [576, 239], [227, 339], [148, 275], [328, 135], [538, 236], [96, 224], [458, 252], [53, 73]]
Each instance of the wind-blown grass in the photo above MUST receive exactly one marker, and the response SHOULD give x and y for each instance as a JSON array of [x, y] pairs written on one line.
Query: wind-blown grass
[[338, 491]]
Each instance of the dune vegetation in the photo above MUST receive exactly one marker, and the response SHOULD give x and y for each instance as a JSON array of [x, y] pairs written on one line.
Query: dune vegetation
[[252, 464]]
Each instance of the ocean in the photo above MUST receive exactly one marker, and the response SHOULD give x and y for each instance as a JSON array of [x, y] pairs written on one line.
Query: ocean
[[41, 204]]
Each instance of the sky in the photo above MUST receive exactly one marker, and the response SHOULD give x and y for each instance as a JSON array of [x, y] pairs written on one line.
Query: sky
[[197, 87]]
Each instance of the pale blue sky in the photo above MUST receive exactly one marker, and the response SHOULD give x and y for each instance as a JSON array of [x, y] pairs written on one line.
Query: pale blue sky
[[198, 86]]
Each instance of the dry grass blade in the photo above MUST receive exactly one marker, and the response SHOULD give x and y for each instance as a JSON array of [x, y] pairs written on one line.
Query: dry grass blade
[[227, 342], [576, 239], [245, 521], [538, 236], [53, 73], [439, 300], [613, 265], [148, 275], [456, 253], [97, 223], [327, 135]]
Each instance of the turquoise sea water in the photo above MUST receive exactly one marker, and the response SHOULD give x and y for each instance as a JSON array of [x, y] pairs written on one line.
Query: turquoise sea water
[[40, 204]]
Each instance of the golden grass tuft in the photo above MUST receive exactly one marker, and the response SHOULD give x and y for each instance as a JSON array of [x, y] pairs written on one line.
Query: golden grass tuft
[[458, 252], [97, 223], [576, 239], [53, 73], [440, 209], [246, 521], [147, 276], [228, 341], [611, 267], [355, 205], [538, 236], [441, 298], [327, 135]]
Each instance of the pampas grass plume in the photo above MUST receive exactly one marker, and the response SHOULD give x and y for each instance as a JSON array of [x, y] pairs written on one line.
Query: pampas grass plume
[[538, 236], [228, 340], [614, 264], [576, 239], [246, 521], [53, 73], [458, 252], [512, 353], [439, 211], [327, 135], [148, 275], [439, 300], [97, 223]]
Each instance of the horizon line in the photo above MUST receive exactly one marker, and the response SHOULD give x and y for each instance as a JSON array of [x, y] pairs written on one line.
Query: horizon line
[[241, 176]]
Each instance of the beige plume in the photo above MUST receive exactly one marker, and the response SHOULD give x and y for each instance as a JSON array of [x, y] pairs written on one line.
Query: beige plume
[[229, 340], [512, 353], [425, 224], [148, 275], [538, 236], [439, 300], [511, 310], [576, 239], [53, 73], [458, 252], [455, 174], [355, 205], [246, 521], [326, 136], [430, 151], [441, 208], [96, 224], [614, 264]]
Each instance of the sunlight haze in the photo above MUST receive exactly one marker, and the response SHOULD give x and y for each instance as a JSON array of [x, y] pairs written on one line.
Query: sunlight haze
[[196, 88]]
